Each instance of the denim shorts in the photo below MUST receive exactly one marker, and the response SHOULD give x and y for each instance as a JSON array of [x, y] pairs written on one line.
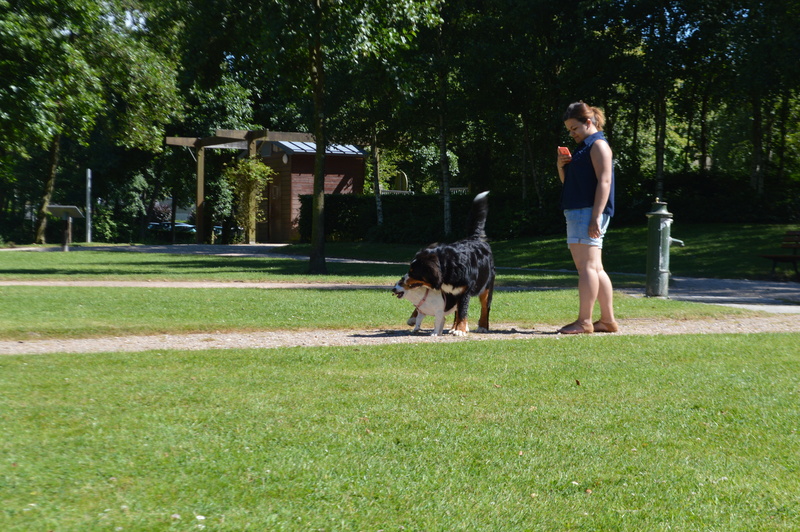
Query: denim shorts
[[578, 227]]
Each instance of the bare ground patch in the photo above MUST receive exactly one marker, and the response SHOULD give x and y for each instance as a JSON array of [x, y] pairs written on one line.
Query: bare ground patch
[[746, 324], [400, 335]]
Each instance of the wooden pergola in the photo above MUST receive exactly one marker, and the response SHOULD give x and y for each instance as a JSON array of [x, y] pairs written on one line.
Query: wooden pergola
[[227, 139]]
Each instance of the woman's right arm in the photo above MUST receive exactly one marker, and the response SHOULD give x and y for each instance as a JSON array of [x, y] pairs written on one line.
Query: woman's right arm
[[562, 160]]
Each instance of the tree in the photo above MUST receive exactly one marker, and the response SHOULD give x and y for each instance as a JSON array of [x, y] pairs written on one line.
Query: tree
[[323, 36], [764, 51], [67, 65]]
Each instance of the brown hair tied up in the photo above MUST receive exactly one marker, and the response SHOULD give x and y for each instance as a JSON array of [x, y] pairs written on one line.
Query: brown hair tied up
[[583, 112]]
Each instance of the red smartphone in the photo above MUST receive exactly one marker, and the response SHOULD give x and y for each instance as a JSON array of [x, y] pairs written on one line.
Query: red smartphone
[[563, 150]]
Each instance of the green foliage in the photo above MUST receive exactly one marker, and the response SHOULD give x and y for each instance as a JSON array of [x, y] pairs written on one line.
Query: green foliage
[[120, 218], [67, 65], [220, 193], [104, 225], [225, 106], [248, 177], [686, 87], [407, 219]]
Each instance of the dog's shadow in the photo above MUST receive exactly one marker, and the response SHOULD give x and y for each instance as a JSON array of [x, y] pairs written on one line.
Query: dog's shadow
[[426, 333]]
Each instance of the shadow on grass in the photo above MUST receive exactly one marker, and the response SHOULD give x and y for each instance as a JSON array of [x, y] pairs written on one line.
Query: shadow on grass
[[408, 333]]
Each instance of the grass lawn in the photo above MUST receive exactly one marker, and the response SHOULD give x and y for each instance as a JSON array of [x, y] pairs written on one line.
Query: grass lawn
[[712, 250], [122, 265], [30, 313], [588, 433], [593, 433]]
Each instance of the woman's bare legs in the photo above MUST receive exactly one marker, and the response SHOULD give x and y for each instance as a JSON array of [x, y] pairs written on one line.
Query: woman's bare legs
[[594, 285]]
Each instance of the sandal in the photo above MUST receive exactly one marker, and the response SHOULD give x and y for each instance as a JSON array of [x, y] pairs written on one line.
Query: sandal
[[576, 328], [605, 326]]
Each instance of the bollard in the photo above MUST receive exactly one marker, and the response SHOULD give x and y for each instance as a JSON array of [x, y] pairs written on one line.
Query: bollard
[[658, 243]]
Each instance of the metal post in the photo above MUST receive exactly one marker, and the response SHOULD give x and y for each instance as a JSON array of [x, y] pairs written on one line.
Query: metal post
[[89, 205], [66, 213], [199, 211], [66, 239], [658, 242]]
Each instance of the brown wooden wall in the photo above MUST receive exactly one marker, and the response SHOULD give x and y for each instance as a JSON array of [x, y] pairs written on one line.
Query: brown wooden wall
[[343, 175]]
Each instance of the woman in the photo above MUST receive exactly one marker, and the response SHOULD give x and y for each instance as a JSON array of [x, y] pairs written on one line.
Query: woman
[[587, 199]]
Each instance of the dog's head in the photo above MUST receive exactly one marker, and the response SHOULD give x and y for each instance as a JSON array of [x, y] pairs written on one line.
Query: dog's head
[[405, 285], [425, 269], [423, 272]]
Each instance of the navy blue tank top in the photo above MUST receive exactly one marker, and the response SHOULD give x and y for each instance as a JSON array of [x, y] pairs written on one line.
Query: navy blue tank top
[[580, 180]]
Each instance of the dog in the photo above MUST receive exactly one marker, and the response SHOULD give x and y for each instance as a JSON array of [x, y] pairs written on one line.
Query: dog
[[427, 302], [459, 271]]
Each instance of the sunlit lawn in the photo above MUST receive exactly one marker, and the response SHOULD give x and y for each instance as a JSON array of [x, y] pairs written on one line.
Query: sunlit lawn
[[693, 432], [139, 266], [712, 250], [31, 312], [594, 433]]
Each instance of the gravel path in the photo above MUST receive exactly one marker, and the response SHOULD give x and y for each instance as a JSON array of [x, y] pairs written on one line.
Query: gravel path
[[777, 321], [778, 305], [401, 335]]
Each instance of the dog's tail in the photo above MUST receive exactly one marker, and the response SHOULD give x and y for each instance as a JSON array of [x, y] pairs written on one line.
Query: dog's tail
[[477, 216]]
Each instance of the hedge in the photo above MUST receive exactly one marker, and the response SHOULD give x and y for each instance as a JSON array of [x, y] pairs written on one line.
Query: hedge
[[692, 197], [419, 219]]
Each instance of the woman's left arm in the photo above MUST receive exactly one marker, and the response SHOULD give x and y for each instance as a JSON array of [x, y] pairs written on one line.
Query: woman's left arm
[[602, 161]]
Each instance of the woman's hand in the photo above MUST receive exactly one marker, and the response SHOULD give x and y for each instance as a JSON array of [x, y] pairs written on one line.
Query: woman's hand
[[594, 227], [563, 159]]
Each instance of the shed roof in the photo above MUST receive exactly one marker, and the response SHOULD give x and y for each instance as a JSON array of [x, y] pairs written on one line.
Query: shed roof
[[311, 147]]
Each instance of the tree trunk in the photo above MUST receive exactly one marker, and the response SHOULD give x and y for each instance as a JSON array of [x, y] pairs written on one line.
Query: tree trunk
[[688, 156], [49, 186], [172, 216], [782, 127], [376, 164], [444, 162], [705, 160], [637, 160], [661, 142], [537, 188], [757, 166], [317, 257]]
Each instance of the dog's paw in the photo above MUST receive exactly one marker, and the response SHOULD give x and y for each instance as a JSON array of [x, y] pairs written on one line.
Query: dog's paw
[[456, 332], [482, 330], [411, 321]]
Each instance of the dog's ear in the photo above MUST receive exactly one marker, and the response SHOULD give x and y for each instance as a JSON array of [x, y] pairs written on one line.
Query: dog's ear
[[426, 268], [436, 273]]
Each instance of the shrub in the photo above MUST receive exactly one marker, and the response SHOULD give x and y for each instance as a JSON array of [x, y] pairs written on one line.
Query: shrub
[[419, 219]]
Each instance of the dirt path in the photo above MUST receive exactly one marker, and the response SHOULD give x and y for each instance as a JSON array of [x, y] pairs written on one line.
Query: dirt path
[[401, 335], [754, 323]]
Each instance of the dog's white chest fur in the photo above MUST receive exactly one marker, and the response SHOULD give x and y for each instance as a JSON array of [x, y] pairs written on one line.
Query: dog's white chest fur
[[455, 290]]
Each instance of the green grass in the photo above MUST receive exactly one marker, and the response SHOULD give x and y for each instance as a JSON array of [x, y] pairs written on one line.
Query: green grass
[[67, 312], [600, 433], [136, 266], [620, 433], [712, 250], [122, 265]]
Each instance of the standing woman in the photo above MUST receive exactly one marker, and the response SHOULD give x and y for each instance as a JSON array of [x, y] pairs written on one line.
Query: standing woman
[[587, 198]]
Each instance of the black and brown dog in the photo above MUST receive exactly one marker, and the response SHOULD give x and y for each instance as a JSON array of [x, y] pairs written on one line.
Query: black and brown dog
[[459, 271]]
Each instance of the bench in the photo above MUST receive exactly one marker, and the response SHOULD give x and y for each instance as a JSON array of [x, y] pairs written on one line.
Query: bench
[[791, 240]]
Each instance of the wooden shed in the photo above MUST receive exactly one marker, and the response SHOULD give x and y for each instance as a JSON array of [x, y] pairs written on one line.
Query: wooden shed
[[293, 163], [291, 155]]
